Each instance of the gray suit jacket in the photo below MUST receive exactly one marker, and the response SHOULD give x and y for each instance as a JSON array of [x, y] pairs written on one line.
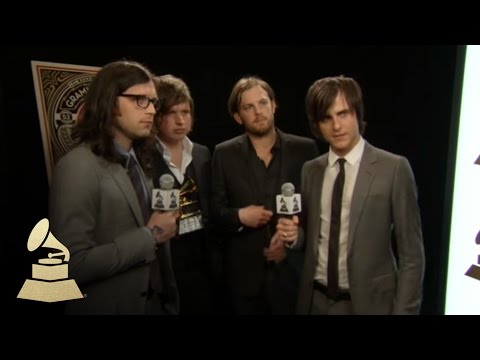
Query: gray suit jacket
[[383, 212], [95, 213]]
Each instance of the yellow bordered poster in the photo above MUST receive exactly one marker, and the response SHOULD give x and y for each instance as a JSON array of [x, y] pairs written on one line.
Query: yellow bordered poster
[[59, 90]]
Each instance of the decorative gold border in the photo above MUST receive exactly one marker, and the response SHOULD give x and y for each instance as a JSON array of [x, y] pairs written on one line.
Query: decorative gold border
[[53, 83]]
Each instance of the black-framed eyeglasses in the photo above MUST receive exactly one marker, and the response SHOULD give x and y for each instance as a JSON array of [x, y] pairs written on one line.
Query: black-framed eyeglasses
[[143, 100]]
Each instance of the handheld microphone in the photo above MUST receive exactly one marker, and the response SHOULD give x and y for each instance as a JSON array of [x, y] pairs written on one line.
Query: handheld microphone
[[166, 198], [289, 203]]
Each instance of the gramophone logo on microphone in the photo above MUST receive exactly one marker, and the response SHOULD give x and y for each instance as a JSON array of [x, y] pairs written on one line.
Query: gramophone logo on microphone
[[166, 198], [289, 203], [49, 281]]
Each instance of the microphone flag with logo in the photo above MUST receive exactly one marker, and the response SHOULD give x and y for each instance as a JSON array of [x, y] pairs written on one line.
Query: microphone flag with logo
[[166, 198], [288, 203]]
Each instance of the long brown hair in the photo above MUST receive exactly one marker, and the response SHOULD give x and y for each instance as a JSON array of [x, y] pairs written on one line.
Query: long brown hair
[[96, 124]]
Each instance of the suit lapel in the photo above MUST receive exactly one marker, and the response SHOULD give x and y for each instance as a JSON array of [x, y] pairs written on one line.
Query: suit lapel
[[366, 174], [124, 183], [286, 158], [318, 173], [192, 170], [161, 168], [243, 149]]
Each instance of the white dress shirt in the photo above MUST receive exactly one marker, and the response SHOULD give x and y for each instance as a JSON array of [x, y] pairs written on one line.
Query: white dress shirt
[[352, 164], [186, 158]]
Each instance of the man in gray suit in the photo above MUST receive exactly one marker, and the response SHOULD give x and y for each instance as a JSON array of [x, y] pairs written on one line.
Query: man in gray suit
[[119, 250], [373, 238]]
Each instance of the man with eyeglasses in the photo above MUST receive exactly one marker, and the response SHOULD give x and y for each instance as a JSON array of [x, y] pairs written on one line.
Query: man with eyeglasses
[[143, 101], [189, 163], [99, 201]]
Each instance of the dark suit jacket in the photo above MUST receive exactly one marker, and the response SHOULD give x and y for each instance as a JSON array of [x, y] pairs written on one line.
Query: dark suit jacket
[[95, 213], [384, 203], [192, 252], [234, 187]]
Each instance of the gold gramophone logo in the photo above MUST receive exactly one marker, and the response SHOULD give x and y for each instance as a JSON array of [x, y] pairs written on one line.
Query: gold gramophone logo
[[49, 281]]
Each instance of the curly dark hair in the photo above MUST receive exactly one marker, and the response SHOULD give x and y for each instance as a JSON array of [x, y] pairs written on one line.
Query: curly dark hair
[[171, 91]]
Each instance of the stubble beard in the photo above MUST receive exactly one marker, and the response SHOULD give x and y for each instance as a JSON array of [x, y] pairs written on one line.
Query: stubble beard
[[260, 131]]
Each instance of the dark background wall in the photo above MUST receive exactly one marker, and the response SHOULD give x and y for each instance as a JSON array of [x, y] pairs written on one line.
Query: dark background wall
[[408, 93]]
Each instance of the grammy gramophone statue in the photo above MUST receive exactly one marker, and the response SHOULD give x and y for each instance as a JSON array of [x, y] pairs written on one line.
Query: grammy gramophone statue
[[190, 212]]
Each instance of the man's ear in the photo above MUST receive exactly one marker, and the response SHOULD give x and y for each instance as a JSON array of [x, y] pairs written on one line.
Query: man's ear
[[237, 118]]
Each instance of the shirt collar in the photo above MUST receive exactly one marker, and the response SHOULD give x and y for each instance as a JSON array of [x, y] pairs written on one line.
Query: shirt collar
[[186, 144], [352, 157], [276, 144], [124, 154]]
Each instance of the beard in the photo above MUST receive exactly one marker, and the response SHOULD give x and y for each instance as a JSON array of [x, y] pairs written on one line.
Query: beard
[[260, 128]]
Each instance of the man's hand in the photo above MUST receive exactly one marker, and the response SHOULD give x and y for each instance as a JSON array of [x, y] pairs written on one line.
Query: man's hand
[[276, 251], [287, 229], [163, 225], [254, 216]]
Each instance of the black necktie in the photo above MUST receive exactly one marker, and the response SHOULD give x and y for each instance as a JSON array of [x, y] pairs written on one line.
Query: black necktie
[[162, 279], [335, 220], [133, 172]]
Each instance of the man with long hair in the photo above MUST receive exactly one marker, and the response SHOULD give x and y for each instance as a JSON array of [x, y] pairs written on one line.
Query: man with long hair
[[100, 196]]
